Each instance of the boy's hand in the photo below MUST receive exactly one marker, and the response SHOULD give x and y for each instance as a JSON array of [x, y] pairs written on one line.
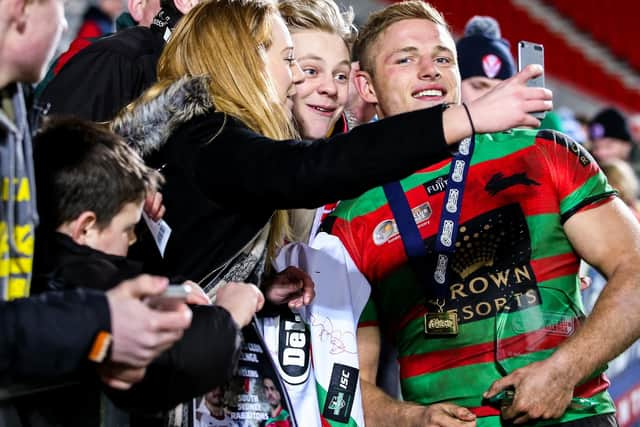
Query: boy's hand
[[293, 286], [118, 376], [241, 300], [197, 296], [153, 206]]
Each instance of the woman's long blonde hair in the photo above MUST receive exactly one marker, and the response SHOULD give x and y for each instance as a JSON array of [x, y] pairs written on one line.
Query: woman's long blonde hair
[[227, 40]]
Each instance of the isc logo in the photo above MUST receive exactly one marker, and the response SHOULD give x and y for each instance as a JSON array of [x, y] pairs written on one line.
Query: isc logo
[[344, 379], [293, 349]]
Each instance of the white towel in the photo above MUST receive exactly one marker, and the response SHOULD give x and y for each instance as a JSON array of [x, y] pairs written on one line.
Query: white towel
[[332, 318]]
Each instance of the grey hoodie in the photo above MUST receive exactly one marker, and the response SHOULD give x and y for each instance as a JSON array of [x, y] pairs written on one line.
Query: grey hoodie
[[18, 215]]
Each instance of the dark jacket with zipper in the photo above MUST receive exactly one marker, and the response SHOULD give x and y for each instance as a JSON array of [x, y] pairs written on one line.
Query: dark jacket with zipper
[[203, 358], [224, 181], [106, 76]]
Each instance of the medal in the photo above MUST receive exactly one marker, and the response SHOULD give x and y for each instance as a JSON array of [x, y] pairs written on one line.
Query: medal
[[440, 324]]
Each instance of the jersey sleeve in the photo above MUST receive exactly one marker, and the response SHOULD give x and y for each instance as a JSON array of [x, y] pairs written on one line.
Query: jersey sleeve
[[369, 315], [579, 181], [340, 224]]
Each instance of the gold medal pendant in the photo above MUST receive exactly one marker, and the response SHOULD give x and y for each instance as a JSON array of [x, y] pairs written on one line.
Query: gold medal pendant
[[440, 325]]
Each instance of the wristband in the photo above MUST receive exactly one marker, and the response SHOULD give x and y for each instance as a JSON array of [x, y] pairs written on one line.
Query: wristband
[[100, 347], [466, 109]]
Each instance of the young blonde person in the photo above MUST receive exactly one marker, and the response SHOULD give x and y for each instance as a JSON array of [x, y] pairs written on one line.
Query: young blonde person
[[322, 37]]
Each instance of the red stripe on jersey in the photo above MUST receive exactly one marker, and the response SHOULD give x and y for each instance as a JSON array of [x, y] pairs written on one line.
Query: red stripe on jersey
[[419, 364], [555, 266], [588, 389], [414, 313]]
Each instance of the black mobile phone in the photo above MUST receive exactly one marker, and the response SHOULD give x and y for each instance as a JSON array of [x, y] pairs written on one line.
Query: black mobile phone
[[503, 398], [173, 296], [532, 53]]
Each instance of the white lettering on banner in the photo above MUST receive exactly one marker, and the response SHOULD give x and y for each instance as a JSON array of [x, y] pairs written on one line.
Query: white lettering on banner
[[463, 148], [441, 268], [458, 170], [452, 201]]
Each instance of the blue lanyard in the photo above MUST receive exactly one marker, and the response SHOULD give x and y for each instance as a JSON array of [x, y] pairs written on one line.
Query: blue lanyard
[[434, 281]]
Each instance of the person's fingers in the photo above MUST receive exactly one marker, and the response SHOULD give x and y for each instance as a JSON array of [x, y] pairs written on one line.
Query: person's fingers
[[498, 386], [142, 286], [175, 320], [308, 294], [530, 121], [463, 414], [296, 303], [122, 372], [157, 202], [260, 302], [288, 288], [294, 273], [533, 105], [585, 282], [130, 375], [159, 342], [521, 419], [161, 212], [308, 289], [540, 93], [197, 296], [529, 72], [445, 417], [115, 383], [153, 205]]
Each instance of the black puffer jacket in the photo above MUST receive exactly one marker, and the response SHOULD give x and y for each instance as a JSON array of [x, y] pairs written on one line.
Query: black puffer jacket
[[224, 181]]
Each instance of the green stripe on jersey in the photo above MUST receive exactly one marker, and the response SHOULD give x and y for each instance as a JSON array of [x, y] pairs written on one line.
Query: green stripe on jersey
[[590, 187], [549, 238]]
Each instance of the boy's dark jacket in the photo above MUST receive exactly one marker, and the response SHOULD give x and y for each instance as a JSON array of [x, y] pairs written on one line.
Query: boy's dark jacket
[[204, 358]]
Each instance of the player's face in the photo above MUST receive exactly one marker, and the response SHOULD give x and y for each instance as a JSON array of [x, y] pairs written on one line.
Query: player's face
[[215, 396], [415, 67], [271, 392]]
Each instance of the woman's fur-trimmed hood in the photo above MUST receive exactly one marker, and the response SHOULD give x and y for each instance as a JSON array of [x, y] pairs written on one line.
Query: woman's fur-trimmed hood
[[150, 124]]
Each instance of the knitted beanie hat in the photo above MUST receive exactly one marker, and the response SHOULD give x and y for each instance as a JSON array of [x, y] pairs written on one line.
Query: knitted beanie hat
[[483, 52], [609, 123]]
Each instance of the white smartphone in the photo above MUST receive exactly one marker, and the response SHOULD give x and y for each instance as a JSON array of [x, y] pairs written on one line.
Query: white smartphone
[[532, 53], [173, 296]]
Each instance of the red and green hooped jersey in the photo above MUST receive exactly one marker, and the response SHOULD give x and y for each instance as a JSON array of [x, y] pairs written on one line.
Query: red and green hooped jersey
[[282, 419], [522, 186]]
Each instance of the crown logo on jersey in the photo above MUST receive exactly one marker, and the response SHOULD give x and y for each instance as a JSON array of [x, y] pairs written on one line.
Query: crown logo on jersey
[[474, 250]]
